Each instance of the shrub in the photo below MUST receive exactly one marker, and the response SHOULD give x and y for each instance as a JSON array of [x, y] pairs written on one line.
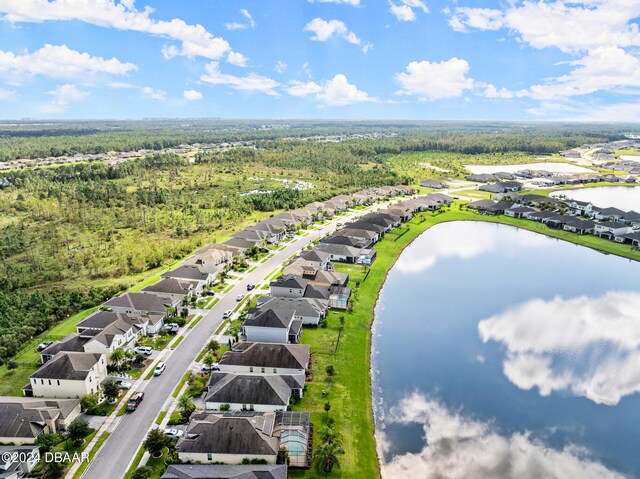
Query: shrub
[[330, 370], [142, 473], [155, 442], [78, 430], [89, 402], [12, 364], [47, 441], [225, 407]]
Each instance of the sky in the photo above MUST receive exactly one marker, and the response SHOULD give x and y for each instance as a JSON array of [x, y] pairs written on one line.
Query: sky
[[342, 59]]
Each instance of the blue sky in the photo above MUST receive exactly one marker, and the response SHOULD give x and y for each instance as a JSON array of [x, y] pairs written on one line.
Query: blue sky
[[422, 59]]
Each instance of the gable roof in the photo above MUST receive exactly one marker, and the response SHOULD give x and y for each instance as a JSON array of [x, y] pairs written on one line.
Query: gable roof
[[270, 390], [268, 355], [186, 272], [23, 417], [171, 285], [102, 319], [67, 365], [300, 306], [141, 302], [269, 318], [290, 281], [70, 343]]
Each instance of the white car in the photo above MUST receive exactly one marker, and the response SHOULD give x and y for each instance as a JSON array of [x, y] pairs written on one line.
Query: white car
[[143, 350], [124, 384], [173, 433], [159, 369], [227, 314], [240, 297]]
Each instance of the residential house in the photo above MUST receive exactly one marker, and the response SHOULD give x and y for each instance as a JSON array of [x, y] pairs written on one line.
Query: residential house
[[481, 177], [365, 237], [437, 184], [339, 252], [501, 187], [288, 286], [272, 326], [249, 392], [190, 273], [611, 229], [18, 461], [68, 375], [225, 471], [266, 358], [404, 212], [361, 224], [518, 211], [151, 304], [175, 286], [608, 214], [214, 254], [232, 437], [24, 419], [240, 244], [578, 226], [540, 216], [308, 310], [557, 221], [100, 320], [488, 207], [257, 238], [580, 207]]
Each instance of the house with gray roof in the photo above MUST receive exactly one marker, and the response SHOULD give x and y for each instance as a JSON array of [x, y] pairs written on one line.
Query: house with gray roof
[[225, 471], [308, 310], [488, 207], [266, 358], [437, 184], [288, 286], [190, 273], [517, 211], [100, 320], [68, 375], [579, 226], [611, 230], [240, 244], [143, 303], [271, 326], [24, 419], [18, 461], [253, 392], [175, 286]]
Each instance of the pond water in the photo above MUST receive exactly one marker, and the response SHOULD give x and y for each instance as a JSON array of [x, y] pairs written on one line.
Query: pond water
[[501, 353], [552, 167], [623, 197]]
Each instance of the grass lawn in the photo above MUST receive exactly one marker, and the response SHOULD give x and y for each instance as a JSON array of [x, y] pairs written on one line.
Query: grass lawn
[[193, 322], [96, 447], [160, 417], [349, 392], [182, 382], [177, 342]]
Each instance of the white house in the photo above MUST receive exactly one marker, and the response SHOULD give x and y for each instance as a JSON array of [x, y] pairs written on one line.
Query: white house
[[266, 358], [611, 229], [289, 286], [251, 392], [68, 375], [307, 310], [17, 461], [271, 326]]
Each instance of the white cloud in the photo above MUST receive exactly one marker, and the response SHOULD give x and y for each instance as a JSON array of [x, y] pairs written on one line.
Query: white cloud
[[617, 112], [62, 97], [323, 30], [195, 40], [237, 59], [251, 82], [435, 80], [571, 26], [191, 95], [604, 68], [459, 447], [589, 346], [280, 66], [6, 94], [59, 61], [335, 92], [154, 93], [242, 26], [353, 3], [404, 10]]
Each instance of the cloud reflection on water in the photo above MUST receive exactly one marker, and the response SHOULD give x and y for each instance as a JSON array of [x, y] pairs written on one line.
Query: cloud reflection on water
[[459, 447], [589, 346]]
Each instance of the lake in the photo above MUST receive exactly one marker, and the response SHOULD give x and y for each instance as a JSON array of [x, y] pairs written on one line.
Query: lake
[[622, 197], [551, 167], [501, 353]]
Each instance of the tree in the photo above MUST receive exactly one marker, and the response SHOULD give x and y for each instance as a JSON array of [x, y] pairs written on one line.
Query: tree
[[327, 407], [283, 456], [142, 473], [47, 441], [213, 346], [12, 364], [110, 389], [184, 312], [89, 402], [139, 359], [78, 430], [327, 455], [209, 359], [155, 442], [186, 405], [329, 434], [116, 357]]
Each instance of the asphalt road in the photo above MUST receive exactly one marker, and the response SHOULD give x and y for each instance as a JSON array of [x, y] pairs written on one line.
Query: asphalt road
[[127, 432]]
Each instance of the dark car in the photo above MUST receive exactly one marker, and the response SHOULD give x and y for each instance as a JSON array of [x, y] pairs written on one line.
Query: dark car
[[45, 345], [250, 286], [134, 402]]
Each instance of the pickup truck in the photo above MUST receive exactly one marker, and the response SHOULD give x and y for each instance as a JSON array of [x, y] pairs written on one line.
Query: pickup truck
[[134, 401]]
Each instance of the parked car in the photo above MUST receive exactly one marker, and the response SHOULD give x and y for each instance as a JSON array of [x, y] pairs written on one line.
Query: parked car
[[339, 224], [123, 384], [209, 293], [250, 286], [159, 369], [173, 433], [227, 314], [134, 401], [45, 345], [143, 350], [240, 297], [172, 328]]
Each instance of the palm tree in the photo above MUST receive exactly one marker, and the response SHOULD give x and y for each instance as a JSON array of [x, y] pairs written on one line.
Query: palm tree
[[185, 405], [117, 356], [327, 455], [329, 434]]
